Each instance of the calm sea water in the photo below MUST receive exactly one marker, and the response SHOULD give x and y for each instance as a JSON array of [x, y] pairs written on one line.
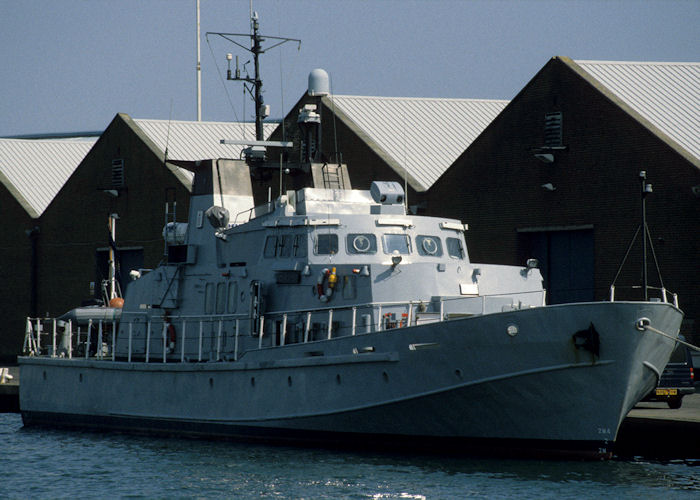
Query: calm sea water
[[59, 464]]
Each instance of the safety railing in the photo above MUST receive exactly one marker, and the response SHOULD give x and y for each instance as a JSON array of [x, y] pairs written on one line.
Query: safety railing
[[661, 291], [166, 338]]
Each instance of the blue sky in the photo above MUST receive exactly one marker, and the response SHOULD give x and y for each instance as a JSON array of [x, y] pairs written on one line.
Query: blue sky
[[71, 65]]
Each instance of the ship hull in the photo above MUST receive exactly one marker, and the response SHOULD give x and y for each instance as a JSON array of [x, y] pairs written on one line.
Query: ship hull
[[510, 383]]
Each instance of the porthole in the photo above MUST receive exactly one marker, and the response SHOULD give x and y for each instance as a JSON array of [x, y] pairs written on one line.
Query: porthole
[[512, 330], [458, 373], [211, 382], [385, 376], [252, 381], [361, 243], [289, 381], [430, 246], [337, 379]]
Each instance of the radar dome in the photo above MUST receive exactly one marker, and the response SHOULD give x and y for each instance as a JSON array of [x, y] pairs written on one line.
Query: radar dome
[[318, 83]]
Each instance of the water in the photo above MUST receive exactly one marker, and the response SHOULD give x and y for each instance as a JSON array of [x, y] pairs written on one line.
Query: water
[[40, 463]]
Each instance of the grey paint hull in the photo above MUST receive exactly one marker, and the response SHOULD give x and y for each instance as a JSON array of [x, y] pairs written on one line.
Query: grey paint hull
[[463, 382]]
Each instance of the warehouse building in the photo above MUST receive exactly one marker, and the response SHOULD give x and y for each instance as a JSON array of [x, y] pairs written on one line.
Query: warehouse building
[[556, 177], [59, 198]]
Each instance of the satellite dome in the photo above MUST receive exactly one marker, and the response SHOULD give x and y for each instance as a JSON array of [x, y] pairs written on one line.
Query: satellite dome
[[318, 83]]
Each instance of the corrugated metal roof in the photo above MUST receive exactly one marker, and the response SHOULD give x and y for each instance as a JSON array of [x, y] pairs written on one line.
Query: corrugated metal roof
[[191, 141], [424, 136], [36, 170], [667, 94]]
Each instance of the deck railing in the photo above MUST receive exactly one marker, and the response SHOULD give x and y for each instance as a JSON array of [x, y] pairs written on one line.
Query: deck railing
[[663, 293], [96, 339]]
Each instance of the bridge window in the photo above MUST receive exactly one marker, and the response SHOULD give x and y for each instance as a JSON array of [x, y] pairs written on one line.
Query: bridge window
[[326, 244], [455, 248], [399, 242], [284, 245], [270, 247], [299, 245]]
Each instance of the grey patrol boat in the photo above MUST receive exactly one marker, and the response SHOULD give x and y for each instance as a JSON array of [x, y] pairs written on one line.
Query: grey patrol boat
[[332, 317]]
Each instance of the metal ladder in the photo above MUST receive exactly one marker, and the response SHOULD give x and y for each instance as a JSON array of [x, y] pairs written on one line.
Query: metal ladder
[[332, 176]]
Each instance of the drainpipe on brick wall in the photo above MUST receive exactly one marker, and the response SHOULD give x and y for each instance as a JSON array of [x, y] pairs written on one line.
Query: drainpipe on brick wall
[[33, 235]]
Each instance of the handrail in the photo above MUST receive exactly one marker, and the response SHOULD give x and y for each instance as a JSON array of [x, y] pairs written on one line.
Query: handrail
[[663, 290], [384, 321]]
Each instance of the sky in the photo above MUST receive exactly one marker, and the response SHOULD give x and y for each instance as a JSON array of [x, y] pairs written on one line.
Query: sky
[[72, 65]]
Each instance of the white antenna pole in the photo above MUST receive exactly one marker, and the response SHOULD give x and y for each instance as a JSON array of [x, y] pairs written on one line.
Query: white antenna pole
[[199, 72]]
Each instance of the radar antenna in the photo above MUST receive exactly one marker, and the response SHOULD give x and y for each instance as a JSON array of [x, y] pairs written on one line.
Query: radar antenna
[[255, 88]]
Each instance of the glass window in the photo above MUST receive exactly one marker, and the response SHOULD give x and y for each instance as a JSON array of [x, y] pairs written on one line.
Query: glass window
[[326, 244], [429, 245], [270, 246], [455, 248], [399, 242], [209, 298], [220, 298], [299, 245], [284, 249], [232, 296], [361, 243]]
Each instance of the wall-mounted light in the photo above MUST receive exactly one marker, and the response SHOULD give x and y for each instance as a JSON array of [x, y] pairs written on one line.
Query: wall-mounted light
[[545, 157], [549, 186]]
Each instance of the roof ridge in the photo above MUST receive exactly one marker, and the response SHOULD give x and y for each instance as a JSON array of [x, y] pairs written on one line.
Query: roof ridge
[[639, 63], [399, 98]]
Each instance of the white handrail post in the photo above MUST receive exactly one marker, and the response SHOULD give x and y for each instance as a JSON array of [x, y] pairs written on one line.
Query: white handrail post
[[380, 326], [612, 293], [114, 338], [284, 328], [663, 294], [38, 336], [442, 308], [129, 352], [354, 316], [218, 340], [410, 314], [99, 340], [70, 339], [235, 344], [307, 327], [165, 340], [87, 340], [262, 327], [148, 340], [182, 342], [53, 340], [330, 323]]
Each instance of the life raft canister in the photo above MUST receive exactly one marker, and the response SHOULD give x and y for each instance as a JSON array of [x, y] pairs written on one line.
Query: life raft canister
[[326, 283]]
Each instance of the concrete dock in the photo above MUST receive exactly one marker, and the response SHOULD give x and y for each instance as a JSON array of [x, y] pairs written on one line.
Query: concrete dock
[[654, 430], [651, 430], [9, 391]]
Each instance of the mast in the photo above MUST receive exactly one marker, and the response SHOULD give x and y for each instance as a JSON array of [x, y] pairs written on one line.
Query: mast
[[253, 85], [646, 189], [199, 72]]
